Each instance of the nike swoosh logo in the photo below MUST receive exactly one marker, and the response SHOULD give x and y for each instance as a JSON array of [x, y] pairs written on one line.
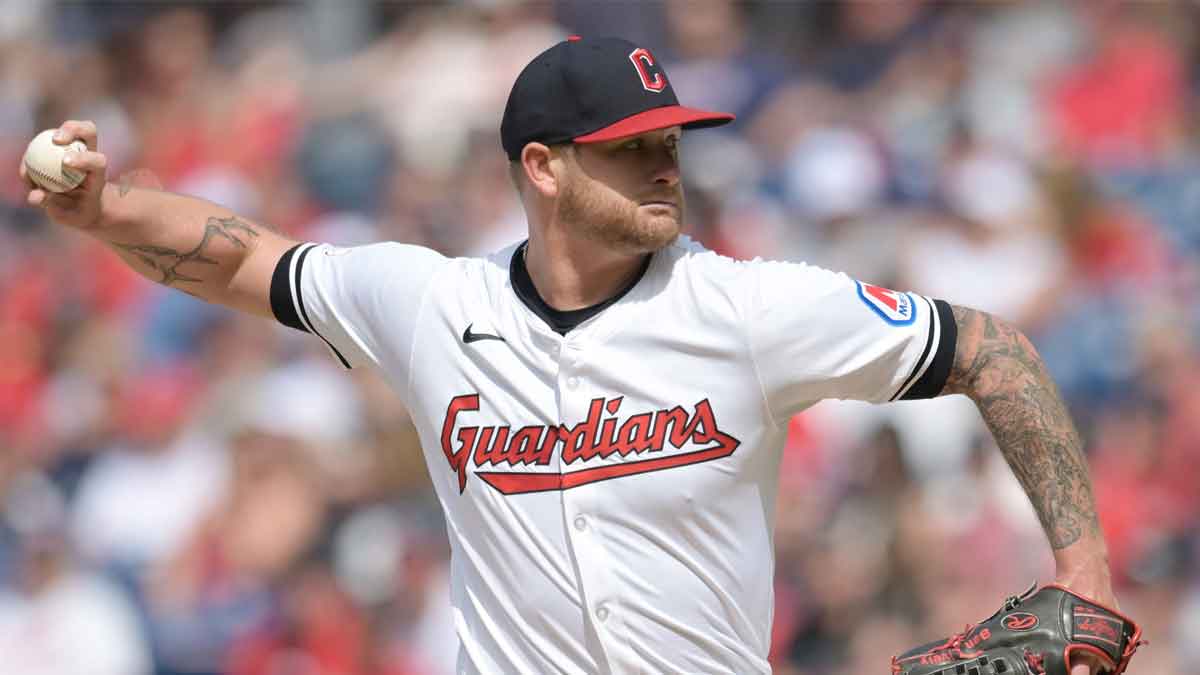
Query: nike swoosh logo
[[469, 337]]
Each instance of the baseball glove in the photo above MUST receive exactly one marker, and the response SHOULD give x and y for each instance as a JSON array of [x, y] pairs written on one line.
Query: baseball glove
[[1036, 633]]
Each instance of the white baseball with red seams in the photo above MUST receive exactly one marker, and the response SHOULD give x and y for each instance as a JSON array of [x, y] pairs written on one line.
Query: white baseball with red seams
[[610, 493], [44, 163]]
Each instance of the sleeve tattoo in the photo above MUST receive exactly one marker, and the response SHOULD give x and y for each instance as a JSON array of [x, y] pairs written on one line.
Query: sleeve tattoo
[[997, 367], [168, 261]]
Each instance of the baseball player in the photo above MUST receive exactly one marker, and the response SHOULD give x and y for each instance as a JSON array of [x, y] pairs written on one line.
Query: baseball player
[[602, 407]]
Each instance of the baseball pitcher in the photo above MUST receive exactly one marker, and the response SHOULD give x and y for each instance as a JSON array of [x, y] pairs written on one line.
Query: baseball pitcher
[[603, 406]]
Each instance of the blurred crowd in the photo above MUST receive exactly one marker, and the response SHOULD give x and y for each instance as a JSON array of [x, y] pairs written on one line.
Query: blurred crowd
[[186, 491]]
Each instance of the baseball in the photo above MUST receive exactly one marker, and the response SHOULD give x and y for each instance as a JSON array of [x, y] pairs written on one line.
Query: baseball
[[44, 163]]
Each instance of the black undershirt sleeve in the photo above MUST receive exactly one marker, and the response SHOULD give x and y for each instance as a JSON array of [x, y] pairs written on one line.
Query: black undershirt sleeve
[[934, 378], [283, 305]]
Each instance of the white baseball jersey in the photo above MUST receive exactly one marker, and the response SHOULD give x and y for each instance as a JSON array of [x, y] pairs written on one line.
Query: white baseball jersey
[[610, 493]]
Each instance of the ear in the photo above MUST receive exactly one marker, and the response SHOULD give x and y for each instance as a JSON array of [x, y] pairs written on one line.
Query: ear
[[543, 168]]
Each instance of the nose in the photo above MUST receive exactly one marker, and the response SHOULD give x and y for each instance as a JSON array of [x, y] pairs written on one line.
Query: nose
[[666, 170]]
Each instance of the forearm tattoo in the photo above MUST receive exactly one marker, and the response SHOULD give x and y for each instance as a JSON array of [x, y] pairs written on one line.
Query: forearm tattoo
[[1000, 370], [168, 261]]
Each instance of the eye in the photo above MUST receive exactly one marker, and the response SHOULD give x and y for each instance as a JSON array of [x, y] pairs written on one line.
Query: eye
[[635, 144]]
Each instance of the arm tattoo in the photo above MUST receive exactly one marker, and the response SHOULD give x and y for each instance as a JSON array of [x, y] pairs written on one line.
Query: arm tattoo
[[1000, 370], [167, 261], [128, 178]]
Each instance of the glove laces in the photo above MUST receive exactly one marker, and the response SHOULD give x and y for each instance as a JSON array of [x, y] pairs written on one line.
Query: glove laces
[[954, 643], [1036, 663]]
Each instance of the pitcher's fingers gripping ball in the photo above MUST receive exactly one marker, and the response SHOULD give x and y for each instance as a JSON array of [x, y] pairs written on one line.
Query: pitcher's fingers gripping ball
[[1038, 633], [43, 163]]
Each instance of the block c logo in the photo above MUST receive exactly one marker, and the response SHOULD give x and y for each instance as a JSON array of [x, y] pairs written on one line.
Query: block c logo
[[648, 70]]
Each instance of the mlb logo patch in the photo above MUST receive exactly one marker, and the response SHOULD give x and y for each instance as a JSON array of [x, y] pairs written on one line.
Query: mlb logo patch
[[894, 307]]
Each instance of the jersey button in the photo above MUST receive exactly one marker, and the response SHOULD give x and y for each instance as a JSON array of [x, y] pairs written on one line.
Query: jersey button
[[572, 382], [602, 613], [580, 523]]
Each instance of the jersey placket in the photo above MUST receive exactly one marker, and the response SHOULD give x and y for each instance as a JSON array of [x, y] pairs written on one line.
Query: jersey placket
[[584, 519]]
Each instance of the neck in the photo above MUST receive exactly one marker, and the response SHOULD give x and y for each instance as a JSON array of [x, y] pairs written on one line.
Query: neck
[[572, 274]]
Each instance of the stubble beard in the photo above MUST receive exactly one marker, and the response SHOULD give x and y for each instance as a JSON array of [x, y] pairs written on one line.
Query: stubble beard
[[602, 215]]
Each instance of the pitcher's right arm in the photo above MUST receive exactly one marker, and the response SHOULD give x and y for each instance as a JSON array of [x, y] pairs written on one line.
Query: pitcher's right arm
[[183, 242]]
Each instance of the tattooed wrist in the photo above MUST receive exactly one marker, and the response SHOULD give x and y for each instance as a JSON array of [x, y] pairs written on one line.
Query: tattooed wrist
[[142, 178], [1001, 371]]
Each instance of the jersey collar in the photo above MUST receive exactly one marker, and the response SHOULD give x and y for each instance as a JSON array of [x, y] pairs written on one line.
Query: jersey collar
[[559, 321]]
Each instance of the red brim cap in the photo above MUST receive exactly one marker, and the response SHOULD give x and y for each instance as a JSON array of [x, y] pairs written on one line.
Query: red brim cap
[[657, 118]]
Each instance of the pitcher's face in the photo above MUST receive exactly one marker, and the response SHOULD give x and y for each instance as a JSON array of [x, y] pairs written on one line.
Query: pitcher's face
[[625, 194]]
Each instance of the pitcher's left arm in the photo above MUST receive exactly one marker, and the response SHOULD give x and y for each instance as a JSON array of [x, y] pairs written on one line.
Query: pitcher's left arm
[[998, 368]]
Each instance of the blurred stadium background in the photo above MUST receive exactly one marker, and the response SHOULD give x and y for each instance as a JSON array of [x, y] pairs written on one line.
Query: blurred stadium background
[[186, 491]]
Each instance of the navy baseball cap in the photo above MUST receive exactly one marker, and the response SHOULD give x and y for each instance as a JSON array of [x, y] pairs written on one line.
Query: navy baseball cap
[[588, 90]]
